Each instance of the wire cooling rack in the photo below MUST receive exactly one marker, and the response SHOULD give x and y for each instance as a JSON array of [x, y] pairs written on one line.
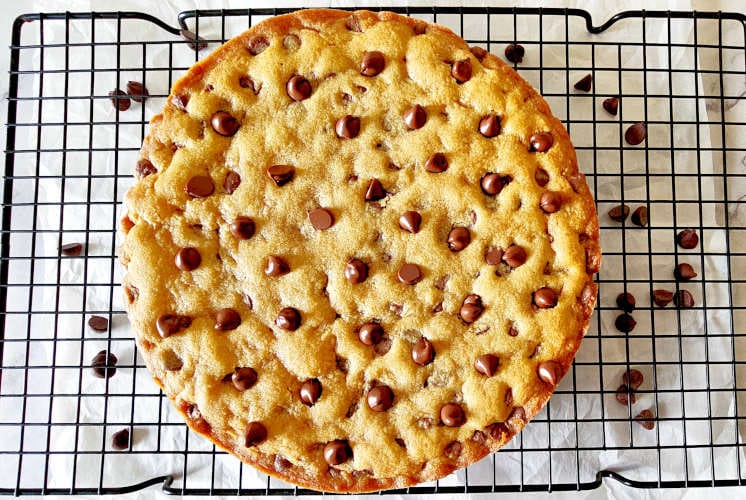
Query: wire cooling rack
[[70, 156]]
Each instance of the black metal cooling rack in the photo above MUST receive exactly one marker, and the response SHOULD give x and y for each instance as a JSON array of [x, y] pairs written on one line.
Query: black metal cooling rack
[[69, 159]]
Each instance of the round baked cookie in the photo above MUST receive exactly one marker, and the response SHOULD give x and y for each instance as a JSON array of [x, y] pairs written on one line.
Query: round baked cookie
[[359, 253]]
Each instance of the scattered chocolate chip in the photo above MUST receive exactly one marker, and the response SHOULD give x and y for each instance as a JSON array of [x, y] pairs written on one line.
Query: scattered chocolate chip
[[244, 378], [227, 319], [635, 134], [625, 323], [626, 302], [196, 43], [423, 352], [452, 415], [491, 184], [410, 221], [337, 452], [168, 324], [255, 434], [684, 272], [584, 84], [347, 127], [310, 391], [683, 299], [119, 100], [687, 239], [200, 186], [242, 227], [471, 308], [545, 298], [104, 364], [137, 91], [549, 372], [541, 142], [380, 398], [633, 378], [625, 395], [461, 70], [409, 274], [437, 163], [321, 218], [514, 53], [611, 105], [640, 216], [281, 174], [493, 256], [375, 191], [662, 297], [514, 256], [487, 364], [224, 123], [257, 45], [489, 125], [370, 333], [458, 239], [298, 88], [646, 418], [188, 259], [550, 202], [356, 271], [98, 323], [288, 319], [231, 182], [415, 117], [372, 63], [120, 440], [542, 177], [276, 266], [619, 213]]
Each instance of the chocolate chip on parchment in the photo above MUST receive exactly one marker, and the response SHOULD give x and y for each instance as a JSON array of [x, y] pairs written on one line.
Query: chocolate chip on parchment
[[625, 395], [662, 297], [98, 323], [619, 213], [611, 105], [636, 133], [119, 100], [684, 299], [633, 378], [120, 440], [687, 239], [137, 91], [640, 216], [196, 43], [514, 53], [104, 364], [626, 302], [585, 83], [625, 323], [646, 418], [188, 259], [684, 272]]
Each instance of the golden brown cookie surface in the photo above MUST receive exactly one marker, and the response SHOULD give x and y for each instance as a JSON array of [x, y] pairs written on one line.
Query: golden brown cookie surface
[[361, 254]]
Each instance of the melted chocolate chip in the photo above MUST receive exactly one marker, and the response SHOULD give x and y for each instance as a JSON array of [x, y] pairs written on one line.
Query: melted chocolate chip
[[246, 82], [415, 117], [288, 319], [452, 415], [144, 168], [356, 271], [458, 239], [409, 274], [541, 142], [487, 364], [437, 163], [242, 227], [244, 378], [410, 221], [545, 298], [188, 259], [255, 434], [337, 452], [224, 123], [347, 127], [200, 186], [370, 333], [471, 308], [489, 125], [310, 391], [636, 133], [321, 218], [276, 266], [372, 63], [493, 256], [298, 88], [257, 45], [227, 319], [514, 53], [423, 352], [550, 202], [281, 174], [380, 398], [461, 70], [624, 395], [375, 191], [542, 177], [514, 256], [611, 105], [549, 372], [584, 84], [169, 324], [646, 419]]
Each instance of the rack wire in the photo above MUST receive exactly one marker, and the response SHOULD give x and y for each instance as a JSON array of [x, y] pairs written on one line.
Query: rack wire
[[69, 158]]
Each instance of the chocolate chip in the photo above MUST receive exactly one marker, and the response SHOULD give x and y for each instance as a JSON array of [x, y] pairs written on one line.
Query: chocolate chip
[[372, 63], [224, 123], [410, 221], [188, 259], [337, 452], [461, 70], [545, 298], [541, 142], [633, 378], [281, 174], [227, 319], [514, 256], [687, 239], [684, 272], [199, 186], [415, 117], [288, 319], [550, 202], [453, 450], [683, 299], [626, 302], [380, 398], [291, 42], [347, 127], [231, 182], [471, 308], [244, 378], [624, 395], [487, 364], [542, 177], [119, 100], [144, 168], [611, 105], [120, 440], [423, 352], [196, 43], [625, 323], [257, 45], [180, 101], [640, 216], [478, 52], [452, 415], [662, 297], [635, 134], [168, 324], [137, 91], [246, 82], [276, 266], [375, 191], [281, 464], [437, 163], [255, 434], [458, 239], [104, 364], [619, 213], [409, 274], [242, 227], [353, 24], [489, 125], [356, 271], [584, 84], [370, 333], [493, 256], [98, 323], [514, 53], [383, 347], [321, 218], [549, 372], [646, 418], [298, 88], [310, 391], [491, 184]]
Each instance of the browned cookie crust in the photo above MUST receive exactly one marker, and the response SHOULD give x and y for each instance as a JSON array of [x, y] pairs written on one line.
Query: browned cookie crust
[[359, 254]]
